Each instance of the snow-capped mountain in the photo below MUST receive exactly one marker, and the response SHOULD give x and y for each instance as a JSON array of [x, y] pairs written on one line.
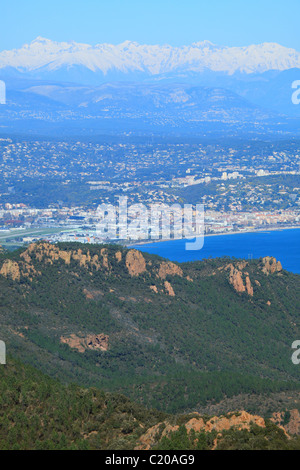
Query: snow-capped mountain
[[137, 88], [44, 56]]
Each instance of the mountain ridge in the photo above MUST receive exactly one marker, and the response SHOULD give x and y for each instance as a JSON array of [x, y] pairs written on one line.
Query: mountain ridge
[[43, 54], [135, 323], [260, 74]]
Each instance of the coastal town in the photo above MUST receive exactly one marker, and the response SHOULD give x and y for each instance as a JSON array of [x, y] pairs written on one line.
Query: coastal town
[[53, 189], [22, 225]]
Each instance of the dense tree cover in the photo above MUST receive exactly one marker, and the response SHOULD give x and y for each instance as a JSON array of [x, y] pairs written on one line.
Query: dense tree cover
[[39, 413], [257, 438], [182, 440], [172, 353]]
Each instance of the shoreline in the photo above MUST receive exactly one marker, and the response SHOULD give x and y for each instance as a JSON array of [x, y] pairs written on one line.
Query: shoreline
[[240, 232]]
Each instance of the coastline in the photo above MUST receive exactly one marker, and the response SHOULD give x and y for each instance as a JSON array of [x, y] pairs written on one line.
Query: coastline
[[239, 232]]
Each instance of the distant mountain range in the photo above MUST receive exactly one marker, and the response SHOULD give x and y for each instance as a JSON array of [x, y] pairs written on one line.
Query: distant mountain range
[[119, 107], [143, 88], [43, 56]]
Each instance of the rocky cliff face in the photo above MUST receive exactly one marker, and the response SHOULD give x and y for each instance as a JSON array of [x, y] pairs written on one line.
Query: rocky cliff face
[[237, 421], [10, 269], [135, 264], [271, 265], [92, 342], [290, 420], [239, 278], [169, 269]]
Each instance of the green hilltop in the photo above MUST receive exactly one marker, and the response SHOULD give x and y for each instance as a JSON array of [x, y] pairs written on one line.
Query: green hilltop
[[175, 337]]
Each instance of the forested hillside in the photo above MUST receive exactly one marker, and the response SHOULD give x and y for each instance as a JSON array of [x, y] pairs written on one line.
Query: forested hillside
[[39, 413], [174, 337]]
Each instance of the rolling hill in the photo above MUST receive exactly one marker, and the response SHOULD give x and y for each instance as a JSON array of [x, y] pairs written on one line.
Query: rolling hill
[[131, 108], [38, 413], [174, 337]]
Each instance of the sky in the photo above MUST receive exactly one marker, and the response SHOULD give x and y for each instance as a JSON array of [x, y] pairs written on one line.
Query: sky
[[174, 22]]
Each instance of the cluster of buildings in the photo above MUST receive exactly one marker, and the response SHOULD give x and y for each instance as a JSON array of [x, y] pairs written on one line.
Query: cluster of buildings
[[170, 221], [54, 188]]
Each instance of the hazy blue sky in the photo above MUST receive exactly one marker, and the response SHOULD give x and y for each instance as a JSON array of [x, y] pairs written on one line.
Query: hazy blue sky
[[176, 22]]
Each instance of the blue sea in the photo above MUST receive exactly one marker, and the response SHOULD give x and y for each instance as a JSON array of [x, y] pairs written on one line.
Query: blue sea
[[284, 245]]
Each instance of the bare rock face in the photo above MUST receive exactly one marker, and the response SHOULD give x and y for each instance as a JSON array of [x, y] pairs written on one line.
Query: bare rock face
[[241, 265], [13, 270], [46, 252], [249, 288], [49, 253], [83, 259], [240, 421], [169, 289], [149, 439], [169, 269], [238, 279], [104, 254], [135, 263], [88, 294], [293, 425], [154, 288], [271, 265], [93, 342], [10, 269]]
